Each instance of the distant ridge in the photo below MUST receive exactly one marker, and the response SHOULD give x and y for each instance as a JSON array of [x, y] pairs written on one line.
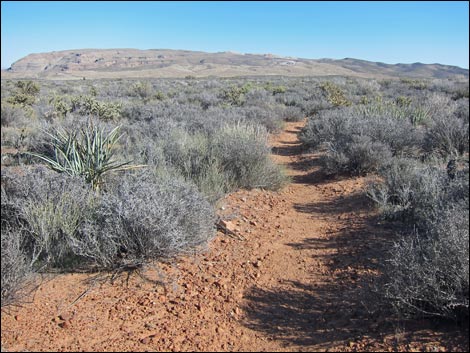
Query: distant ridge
[[154, 63]]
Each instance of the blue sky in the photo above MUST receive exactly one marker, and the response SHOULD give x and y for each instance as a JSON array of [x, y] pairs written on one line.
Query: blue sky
[[391, 32]]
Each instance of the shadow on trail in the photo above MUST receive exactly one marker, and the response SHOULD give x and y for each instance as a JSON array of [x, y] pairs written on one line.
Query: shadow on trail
[[306, 162], [342, 304], [305, 314], [339, 306], [354, 203], [289, 148]]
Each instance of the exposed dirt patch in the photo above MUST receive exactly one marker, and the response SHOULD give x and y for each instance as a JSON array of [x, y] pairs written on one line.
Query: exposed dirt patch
[[301, 281]]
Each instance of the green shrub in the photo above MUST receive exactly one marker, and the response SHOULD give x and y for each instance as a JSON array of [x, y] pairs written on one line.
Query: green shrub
[[88, 105], [235, 156], [270, 87], [141, 89], [235, 95], [93, 91], [335, 94], [415, 84], [61, 106], [25, 93], [193, 157], [403, 101]]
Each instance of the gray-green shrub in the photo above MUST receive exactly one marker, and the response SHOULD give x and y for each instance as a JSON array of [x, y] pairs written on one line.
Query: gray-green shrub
[[49, 210], [243, 152], [359, 141], [428, 272], [410, 190], [143, 218], [16, 269], [448, 135]]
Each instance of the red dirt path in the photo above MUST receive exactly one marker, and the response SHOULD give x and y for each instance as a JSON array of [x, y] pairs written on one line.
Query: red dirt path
[[301, 281]]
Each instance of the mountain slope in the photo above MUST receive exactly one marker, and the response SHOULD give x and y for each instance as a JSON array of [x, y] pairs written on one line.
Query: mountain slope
[[135, 63]]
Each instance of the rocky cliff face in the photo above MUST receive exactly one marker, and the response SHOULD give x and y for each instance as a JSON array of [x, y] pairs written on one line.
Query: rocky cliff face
[[127, 63]]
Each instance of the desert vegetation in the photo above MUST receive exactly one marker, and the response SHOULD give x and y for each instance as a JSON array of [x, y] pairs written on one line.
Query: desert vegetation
[[114, 174], [414, 136]]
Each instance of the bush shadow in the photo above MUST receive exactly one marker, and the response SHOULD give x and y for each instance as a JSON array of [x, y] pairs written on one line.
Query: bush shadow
[[343, 304], [354, 203], [340, 306]]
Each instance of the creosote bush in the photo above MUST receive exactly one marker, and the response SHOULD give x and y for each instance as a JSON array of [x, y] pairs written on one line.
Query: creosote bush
[[25, 93], [335, 94]]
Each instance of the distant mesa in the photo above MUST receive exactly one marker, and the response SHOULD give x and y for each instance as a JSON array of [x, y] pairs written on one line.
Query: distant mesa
[[155, 63]]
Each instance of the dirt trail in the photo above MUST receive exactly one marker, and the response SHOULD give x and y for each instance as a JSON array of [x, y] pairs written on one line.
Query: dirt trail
[[299, 282]]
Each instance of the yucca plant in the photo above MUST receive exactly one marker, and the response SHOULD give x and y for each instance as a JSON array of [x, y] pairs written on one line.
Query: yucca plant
[[87, 153]]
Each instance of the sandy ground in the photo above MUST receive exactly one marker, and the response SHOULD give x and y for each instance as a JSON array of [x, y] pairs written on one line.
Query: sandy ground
[[300, 278]]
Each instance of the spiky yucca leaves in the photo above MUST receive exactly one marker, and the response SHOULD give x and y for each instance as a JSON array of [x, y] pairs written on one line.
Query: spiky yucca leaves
[[87, 152]]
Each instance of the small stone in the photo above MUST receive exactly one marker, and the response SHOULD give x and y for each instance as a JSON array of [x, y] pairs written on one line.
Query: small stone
[[145, 340], [64, 324], [149, 326], [258, 263], [227, 224], [65, 316], [253, 223]]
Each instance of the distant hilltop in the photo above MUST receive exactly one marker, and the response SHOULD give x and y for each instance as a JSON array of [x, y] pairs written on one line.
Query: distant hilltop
[[155, 63]]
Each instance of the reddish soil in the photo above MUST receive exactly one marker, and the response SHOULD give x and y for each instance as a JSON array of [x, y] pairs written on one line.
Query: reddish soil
[[300, 278]]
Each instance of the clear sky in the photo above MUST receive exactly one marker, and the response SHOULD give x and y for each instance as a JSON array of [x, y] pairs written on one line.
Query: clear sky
[[391, 32]]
